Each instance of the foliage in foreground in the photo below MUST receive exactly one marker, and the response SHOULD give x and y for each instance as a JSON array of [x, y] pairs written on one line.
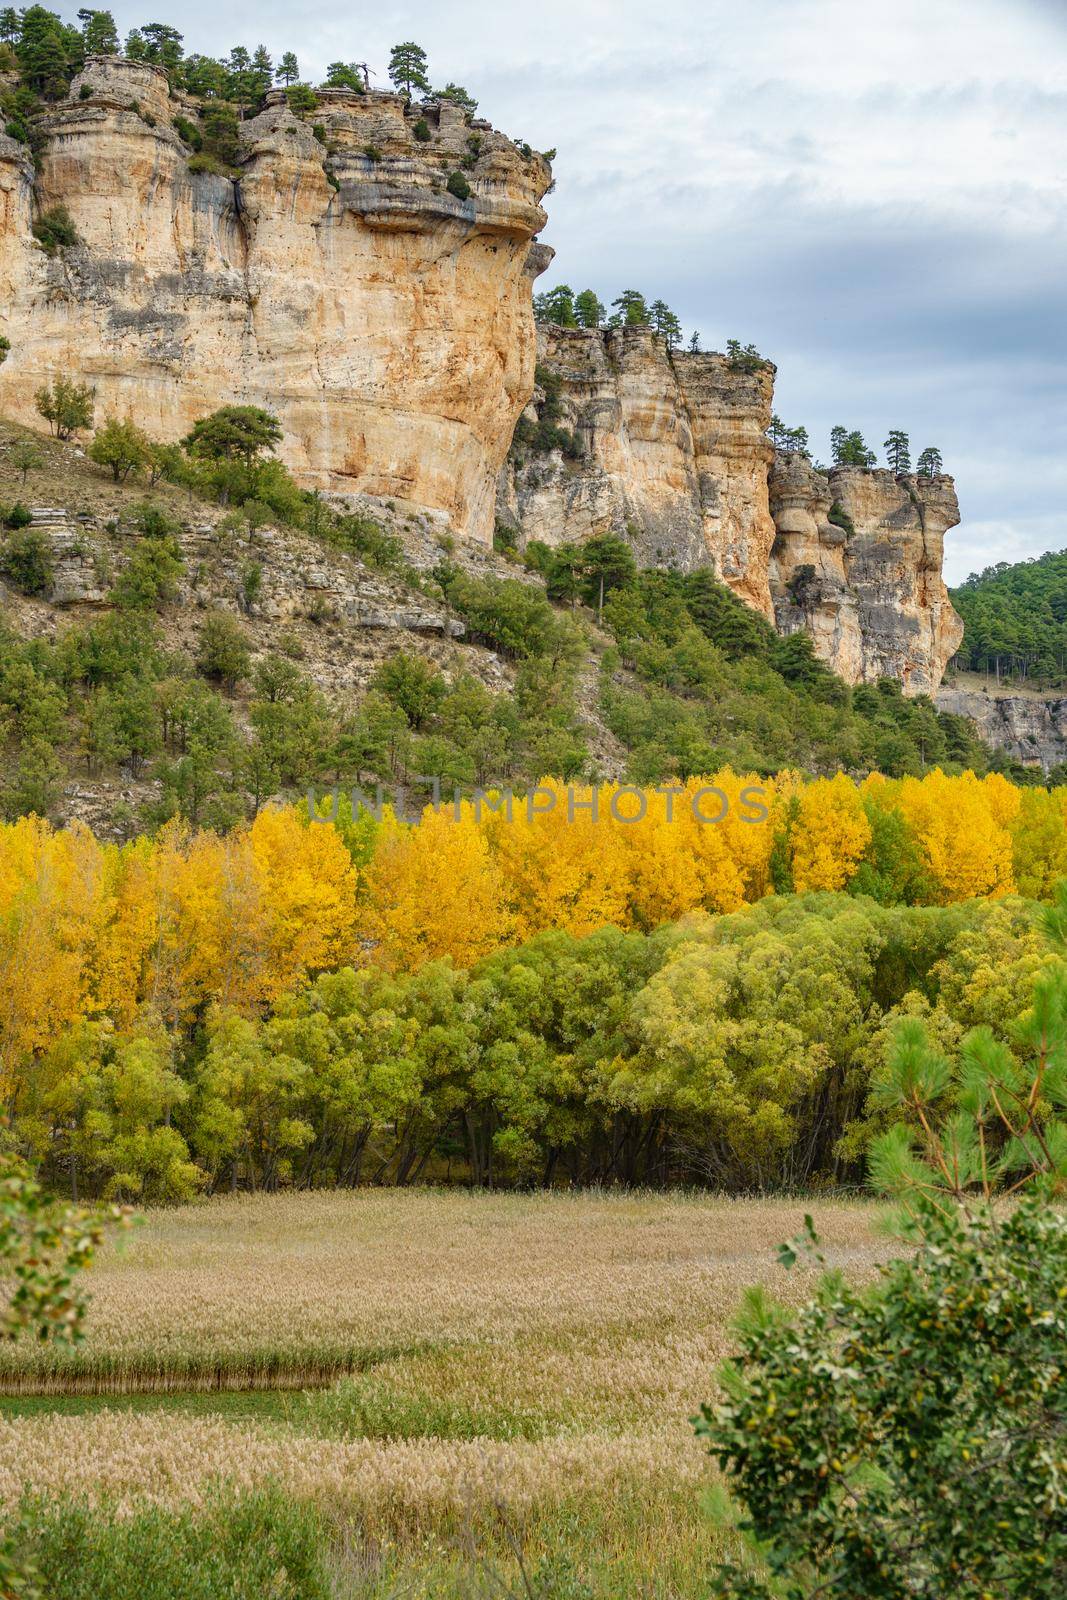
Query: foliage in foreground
[[908, 1439]]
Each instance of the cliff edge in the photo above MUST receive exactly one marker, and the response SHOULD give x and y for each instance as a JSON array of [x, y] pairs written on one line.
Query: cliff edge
[[337, 280]]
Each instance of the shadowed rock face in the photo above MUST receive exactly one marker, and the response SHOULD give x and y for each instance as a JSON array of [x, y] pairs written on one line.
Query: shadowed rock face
[[1031, 728], [675, 456], [386, 322], [869, 592]]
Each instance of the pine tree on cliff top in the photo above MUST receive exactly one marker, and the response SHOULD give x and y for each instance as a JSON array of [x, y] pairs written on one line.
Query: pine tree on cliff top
[[898, 451], [408, 68], [288, 69], [930, 462], [589, 311]]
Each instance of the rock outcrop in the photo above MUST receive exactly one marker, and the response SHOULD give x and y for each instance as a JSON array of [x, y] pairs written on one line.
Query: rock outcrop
[[857, 563], [1030, 728], [674, 455], [365, 274], [385, 319]]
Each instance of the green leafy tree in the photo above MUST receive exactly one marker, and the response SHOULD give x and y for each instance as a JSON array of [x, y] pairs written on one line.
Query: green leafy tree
[[744, 357], [150, 578], [25, 458], [849, 449], [47, 52], [408, 68], [902, 1439], [120, 445], [234, 433], [288, 69], [344, 75], [222, 652], [66, 406], [26, 560], [163, 45], [898, 452], [54, 230]]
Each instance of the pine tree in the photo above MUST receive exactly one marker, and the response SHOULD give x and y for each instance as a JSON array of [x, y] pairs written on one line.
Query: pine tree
[[589, 311], [43, 52], [556, 305], [407, 68], [630, 310], [288, 69], [694, 343], [930, 462], [99, 32], [163, 45], [665, 323], [898, 451], [10, 26], [459, 96]]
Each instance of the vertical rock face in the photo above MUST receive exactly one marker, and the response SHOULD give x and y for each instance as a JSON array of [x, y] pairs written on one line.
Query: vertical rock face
[[857, 562], [674, 455], [385, 320]]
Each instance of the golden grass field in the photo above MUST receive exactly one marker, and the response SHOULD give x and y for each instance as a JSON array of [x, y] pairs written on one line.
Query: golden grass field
[[463, 1357]]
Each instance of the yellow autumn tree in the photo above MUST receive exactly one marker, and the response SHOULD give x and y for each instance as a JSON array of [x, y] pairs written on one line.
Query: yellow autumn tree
[[966, 850], [686, 852], [563, 859], [305, 893], [434, 890], [49, 883], [830, 834]]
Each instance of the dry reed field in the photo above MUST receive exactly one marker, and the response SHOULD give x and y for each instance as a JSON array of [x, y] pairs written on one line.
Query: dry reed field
[[462, 1356]]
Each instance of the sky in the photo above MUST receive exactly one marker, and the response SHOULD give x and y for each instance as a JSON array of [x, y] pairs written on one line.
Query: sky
[[874, 194]]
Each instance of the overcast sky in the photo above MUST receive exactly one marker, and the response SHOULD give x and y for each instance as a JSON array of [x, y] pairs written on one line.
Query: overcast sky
[[873, 193]]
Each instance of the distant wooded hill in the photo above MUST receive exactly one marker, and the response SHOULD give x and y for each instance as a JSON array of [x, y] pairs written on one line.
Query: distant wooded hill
[[1015, 615]]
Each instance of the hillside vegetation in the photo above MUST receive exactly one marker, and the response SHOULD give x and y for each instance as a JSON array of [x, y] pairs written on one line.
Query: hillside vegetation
[[1015, 615], [215, 663]]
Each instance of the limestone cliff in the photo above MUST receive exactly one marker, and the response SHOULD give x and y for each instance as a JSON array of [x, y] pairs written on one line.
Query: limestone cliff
[[857, 562], [385, 320], [1030, 727], [674, 454]]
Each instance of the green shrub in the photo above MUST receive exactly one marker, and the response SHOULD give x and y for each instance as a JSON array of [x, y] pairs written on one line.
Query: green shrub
[[26, 560], [841, 519], [15, 129], [372, 152], [364, 537], [421, 131], [241, 1549], [151, 577], [458, 185], [319, 131], [19, 516], [85, 92], [188, 132], [5, 347], [54, 230], [302, 99], [202, 162]]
